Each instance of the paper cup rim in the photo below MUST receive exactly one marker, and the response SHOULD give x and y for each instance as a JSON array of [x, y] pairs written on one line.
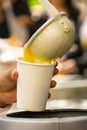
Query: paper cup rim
[[36, 64]]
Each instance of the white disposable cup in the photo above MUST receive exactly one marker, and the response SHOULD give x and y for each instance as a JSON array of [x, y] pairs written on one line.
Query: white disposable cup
[[33, 85]]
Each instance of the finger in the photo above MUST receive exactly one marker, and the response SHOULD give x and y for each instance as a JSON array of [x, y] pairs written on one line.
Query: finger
[[49, 95], [14, 74], [55, 71], [53, 84], [56, 64]]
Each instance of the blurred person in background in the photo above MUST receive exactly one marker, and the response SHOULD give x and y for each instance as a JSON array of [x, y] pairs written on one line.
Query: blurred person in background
[[15, 19]]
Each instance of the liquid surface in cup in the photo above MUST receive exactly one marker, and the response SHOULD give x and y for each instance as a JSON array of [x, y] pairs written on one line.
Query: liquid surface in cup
[[29, 56]]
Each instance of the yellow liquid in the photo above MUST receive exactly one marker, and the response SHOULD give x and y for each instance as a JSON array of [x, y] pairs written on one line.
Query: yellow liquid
[[29, 56]]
